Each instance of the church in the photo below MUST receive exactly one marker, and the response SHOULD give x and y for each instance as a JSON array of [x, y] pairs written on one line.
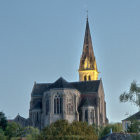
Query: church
[[73, 101]]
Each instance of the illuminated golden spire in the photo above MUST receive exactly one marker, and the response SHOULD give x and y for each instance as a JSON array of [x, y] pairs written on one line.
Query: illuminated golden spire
[[88, 68]]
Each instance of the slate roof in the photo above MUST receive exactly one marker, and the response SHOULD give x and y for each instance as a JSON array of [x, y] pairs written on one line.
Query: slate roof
[[84, 87], [38, 105], [135, 116], [18, 117], [20, 120], [61, 83], [87, 86], [88, 101], [39, 88]]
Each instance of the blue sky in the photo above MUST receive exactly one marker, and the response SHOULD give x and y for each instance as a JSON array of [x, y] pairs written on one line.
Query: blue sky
[[42, 40]]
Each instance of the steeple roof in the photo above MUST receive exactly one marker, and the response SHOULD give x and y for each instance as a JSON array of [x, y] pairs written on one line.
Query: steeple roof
[[88, 50], [87, 38]]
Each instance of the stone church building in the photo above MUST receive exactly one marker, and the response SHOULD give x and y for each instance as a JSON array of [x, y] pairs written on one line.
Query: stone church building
[[73, 101]]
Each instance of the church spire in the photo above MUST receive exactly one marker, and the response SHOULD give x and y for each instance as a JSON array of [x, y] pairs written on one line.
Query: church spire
[[88, 68]]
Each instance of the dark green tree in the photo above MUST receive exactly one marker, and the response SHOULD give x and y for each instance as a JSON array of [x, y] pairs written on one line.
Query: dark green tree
[[133, 95], [14, 130], [3, 121], [2, 136], [31, 133], [62, 130], [116, 127], [134, 127]]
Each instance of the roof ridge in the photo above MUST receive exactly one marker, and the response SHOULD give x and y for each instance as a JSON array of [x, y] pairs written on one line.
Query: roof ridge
[[134, 115], [61, 83]]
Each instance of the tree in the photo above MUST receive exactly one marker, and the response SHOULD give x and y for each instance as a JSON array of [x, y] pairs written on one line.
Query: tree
[[116, 127], [3, 121], [134, 127], [2, 136], [133, 95], [31, 133], [14, 130], [62, 130]]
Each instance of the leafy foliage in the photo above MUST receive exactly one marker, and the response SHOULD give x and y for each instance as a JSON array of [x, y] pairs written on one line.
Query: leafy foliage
[[2, 136], [31, 133], [14, 130], [134, 127], [3, 121], [117, 127], [62, 130], [133, 95]]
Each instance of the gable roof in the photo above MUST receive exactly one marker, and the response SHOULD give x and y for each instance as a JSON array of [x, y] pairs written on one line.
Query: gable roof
[[84, 87], [135, 116], [18, 117], [39, 88], [61, 83]]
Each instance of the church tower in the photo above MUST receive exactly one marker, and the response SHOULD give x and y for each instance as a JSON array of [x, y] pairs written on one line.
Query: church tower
[[88, 67]]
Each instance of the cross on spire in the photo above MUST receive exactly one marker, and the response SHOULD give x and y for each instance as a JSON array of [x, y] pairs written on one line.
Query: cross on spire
[[87, 14]]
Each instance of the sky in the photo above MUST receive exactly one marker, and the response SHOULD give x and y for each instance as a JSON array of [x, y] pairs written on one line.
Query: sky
[[43, 40]]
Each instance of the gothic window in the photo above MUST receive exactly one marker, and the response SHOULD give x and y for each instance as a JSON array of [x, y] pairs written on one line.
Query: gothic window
[[47, 106], [86, 115], [61, 103], [85, 78], [69, 105], [89, 78], [57, 104]]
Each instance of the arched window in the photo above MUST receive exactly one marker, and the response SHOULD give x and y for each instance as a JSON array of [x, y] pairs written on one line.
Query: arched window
[[86, 115], [69, 105], [89, 78], [85, 78], [57, 104]]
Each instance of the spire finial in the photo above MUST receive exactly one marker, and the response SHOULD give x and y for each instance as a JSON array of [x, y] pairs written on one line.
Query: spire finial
[[87, 14]]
